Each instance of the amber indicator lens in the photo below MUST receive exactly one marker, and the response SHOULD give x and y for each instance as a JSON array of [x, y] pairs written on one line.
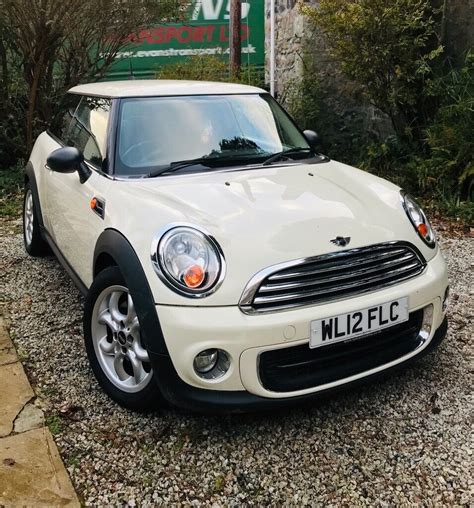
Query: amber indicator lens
[[194, 276], [93, 203], [423, 230]]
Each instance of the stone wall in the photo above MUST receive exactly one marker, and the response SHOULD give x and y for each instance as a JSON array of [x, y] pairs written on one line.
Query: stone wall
[[299, 45], [296, 40], [291, 40], [459, 36]]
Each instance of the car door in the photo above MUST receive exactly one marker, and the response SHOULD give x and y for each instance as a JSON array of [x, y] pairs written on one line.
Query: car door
[[74, 225]]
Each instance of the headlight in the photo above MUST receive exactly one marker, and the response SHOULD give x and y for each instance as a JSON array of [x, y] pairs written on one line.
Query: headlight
[[188, 260], [418, 219]]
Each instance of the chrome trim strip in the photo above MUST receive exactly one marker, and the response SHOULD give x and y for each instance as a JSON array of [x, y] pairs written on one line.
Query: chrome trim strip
[[268, 287], [342, 287], [357, 262], [253, 286], [432, 244]]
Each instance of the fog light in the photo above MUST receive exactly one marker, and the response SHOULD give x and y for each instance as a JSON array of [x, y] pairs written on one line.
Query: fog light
[[205, 361], [427, 322], [446, 299], [211, 363]]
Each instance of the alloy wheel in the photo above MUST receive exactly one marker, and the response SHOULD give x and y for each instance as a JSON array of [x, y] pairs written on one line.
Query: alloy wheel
[[28, 217], [117, 341]]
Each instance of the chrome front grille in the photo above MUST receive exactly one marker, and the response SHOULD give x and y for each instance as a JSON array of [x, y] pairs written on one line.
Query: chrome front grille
[[331, 276]]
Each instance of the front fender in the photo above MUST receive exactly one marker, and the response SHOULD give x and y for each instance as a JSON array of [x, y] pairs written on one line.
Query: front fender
[[115, 245], [31, 179]]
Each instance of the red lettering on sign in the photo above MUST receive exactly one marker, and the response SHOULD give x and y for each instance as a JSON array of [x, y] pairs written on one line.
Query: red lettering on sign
[[210, 32], [224, 33], [163, 34], [160, 34], [198, 33], [145, 35]]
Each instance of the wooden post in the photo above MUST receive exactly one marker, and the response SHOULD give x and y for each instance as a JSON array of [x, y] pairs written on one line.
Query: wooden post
[[235, 38]]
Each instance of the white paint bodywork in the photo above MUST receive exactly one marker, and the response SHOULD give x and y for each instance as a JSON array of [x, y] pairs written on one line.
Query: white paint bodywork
[[66, 210], [264, 217], [260, 217], [161, 88]]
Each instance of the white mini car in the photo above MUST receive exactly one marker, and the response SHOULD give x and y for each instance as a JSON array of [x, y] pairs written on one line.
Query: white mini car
[[226, 264]]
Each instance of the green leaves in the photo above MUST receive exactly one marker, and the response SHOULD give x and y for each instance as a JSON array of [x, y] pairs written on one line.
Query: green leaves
[[389, 48], [48, 46], [394, 51]]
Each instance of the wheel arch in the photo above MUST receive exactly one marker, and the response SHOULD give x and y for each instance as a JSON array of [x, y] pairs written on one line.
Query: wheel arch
[[104, 260], [30, 178], [113, 249]]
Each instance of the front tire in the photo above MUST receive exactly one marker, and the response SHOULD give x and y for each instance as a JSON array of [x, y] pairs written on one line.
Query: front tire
[[34, 243], [113, 342]]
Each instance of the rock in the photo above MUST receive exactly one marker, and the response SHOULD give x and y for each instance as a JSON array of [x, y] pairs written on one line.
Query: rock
[[15, 392], [29, 418]]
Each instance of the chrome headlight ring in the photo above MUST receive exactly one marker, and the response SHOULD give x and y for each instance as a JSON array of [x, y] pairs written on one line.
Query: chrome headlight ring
[[188, 260], [417, 217]]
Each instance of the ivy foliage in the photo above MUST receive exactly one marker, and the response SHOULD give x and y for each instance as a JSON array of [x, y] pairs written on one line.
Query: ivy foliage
[[393, 52], [210, 68], [391, 49], [48, 46]]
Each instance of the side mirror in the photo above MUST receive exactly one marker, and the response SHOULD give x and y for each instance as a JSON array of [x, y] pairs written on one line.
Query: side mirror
[[67, 160], [312, 138]]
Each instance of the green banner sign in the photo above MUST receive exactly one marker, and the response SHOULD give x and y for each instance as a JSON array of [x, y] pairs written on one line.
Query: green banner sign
[[206, 32]]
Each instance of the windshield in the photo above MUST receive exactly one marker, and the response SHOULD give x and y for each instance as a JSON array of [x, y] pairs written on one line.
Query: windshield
[[154, 132]]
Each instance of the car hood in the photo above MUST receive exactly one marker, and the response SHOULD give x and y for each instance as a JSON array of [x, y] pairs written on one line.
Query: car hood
[[263, 216]]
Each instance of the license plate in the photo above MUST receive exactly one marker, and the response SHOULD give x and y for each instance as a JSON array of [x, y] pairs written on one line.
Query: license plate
[[355, 324]]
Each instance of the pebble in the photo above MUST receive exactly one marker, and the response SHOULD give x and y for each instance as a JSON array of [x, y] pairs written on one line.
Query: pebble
[[381, 444]]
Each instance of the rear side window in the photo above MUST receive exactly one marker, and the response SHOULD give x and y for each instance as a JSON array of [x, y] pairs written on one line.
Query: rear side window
[[61, 124], [88, 130]]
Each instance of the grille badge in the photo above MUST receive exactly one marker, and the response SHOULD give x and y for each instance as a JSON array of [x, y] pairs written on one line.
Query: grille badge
[[341, 241]]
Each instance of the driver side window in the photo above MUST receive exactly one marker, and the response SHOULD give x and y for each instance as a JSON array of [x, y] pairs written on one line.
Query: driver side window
[[88, 131]]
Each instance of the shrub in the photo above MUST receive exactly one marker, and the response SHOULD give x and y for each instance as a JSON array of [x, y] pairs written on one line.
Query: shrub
[[445, 170], [48, 46], [11, 188], [390, 48], [210, 68], [449, 168], [315, 104]]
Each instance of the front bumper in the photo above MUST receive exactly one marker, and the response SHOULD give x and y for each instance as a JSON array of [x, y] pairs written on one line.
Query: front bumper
[[180, 394], [189, 330]]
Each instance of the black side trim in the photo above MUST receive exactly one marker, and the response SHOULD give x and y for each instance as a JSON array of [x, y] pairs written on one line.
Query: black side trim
[[113, 243], [99, 207], [30, 176], [64, 262], [198, 400]]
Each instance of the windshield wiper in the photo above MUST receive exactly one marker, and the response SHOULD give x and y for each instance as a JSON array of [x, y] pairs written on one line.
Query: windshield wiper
[[205, 161], [280, 155], [175, 166], [210, 161]]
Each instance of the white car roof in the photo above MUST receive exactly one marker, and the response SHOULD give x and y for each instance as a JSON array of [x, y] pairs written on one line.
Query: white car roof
[[161, 87]]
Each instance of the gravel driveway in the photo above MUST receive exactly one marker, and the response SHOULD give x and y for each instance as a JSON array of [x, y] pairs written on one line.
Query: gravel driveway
[[406, 440]]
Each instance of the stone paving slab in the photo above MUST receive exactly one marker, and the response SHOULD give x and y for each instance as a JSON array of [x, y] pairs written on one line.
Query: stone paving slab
[[32, 473], [30, 417], [15, 392], [7, 351], [31, 470]]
